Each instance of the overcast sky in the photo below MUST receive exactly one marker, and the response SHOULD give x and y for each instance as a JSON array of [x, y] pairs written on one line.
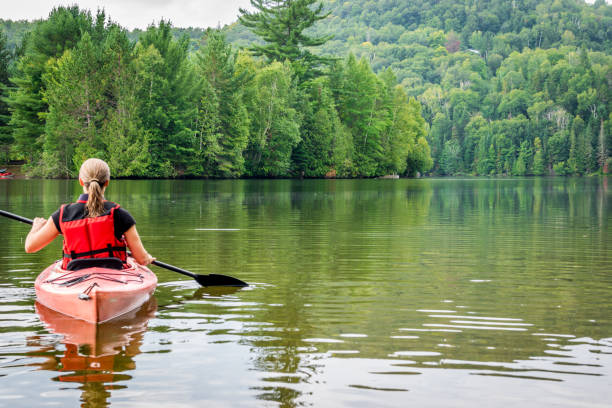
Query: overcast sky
[[136, 13]]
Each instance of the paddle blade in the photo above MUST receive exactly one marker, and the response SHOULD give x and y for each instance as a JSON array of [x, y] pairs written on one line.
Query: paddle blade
[[214, 279]]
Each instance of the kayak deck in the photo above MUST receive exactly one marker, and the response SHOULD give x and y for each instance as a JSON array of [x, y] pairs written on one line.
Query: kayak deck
[[95, 294]]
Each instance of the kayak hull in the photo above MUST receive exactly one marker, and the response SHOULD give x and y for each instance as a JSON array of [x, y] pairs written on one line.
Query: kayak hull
[[96, 294]]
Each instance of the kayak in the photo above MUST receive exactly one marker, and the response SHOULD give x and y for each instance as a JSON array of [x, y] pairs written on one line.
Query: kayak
[[95, 294]]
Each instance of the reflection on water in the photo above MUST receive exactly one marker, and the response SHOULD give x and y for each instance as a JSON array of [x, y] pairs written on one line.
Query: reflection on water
[[494, 292], [95, 356]]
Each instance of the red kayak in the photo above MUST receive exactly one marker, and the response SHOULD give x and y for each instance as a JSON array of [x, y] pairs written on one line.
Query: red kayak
[[95, 294]]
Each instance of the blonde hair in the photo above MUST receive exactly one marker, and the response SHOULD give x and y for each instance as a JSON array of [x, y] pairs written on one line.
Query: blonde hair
[[94, 174]]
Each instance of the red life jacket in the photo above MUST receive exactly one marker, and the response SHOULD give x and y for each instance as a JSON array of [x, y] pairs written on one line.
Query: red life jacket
[[91, 238]]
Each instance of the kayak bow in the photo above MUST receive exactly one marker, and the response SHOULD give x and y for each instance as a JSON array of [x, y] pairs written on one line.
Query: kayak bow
[[95, 294]]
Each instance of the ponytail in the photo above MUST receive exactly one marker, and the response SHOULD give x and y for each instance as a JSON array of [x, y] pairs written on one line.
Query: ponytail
[[94, 174], [95, 201]]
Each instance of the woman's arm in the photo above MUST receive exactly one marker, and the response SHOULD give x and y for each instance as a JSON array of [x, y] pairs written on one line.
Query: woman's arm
[[42, 233], [135, 244]]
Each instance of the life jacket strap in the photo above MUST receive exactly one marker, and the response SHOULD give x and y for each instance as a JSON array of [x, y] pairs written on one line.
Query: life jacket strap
[[109, 249]]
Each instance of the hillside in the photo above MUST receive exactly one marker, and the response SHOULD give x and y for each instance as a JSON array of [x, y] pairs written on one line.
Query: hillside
[[510, 87]]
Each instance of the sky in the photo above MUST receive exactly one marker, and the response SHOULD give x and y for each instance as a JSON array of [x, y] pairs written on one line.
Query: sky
[[136, 13]]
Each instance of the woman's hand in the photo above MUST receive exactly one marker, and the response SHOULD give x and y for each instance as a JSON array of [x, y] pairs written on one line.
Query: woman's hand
[[37, 224], [148, 260], [139, 253]]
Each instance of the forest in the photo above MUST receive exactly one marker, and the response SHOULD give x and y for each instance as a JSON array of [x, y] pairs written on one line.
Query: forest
[[364, 89]]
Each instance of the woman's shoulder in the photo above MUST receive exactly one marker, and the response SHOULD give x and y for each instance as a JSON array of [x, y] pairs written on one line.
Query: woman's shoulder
[[123, 219], [71, 208]]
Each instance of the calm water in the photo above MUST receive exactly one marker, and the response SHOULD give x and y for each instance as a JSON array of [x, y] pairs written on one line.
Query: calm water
[[364, 293]]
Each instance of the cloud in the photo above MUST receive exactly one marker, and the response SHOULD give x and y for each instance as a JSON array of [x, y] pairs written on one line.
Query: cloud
[[136, 13]]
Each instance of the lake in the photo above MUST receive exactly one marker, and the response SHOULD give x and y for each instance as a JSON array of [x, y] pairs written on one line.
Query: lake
[[386, 293]]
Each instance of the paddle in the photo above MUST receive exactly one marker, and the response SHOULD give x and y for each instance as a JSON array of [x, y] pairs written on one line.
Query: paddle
[[212, 279]]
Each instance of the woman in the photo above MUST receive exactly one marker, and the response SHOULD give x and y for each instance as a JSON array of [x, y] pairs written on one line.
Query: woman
[[92, 227]]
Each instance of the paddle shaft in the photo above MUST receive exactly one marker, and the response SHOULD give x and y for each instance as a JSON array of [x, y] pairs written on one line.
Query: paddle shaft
[[174, 268], [16, 217], [204, 280]]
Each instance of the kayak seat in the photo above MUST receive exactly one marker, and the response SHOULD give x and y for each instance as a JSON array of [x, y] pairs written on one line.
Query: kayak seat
[[83, 263]]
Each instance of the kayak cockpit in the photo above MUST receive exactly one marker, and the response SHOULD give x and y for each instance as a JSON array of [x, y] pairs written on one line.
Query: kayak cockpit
[[95, 294]]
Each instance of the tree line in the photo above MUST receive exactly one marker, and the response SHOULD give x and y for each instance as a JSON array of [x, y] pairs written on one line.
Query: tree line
[[81, 88], [517, 87]]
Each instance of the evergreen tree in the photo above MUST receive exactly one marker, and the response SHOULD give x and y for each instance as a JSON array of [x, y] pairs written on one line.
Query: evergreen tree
[[282, 25], [223, 119], [275, 124], [208, 132], [450, 161], [523, 161], [441, 129], [538, 159], [91, 92], [322, 148], [602, 149], [485, 165], [359, 106], [586, 143], [74, 91], [475, 144], [49, 39], [577, 160], [419, 154], [122, 132], [169, 100]]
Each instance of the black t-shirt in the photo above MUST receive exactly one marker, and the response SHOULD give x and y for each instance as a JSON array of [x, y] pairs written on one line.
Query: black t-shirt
[[76, 211]]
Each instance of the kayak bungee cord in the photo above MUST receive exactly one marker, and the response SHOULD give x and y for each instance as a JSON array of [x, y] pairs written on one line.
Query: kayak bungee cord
[[102, 275], [86, 292], [95, 275]]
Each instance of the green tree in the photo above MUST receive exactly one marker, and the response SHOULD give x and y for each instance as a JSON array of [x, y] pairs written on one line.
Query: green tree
[[523, 161], [122, 131], [539, 168], [274, 125], [61, 31], [360, 104], [602, 148], [91, 94], [283, 26], [419, 154], [49, 39], [475, 143], [169, 100], [324, 145], [74, 87], [441, 130], [223, 119], [450, 161]]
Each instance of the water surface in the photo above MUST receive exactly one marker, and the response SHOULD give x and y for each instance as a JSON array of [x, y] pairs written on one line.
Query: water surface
[[431, 292]]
